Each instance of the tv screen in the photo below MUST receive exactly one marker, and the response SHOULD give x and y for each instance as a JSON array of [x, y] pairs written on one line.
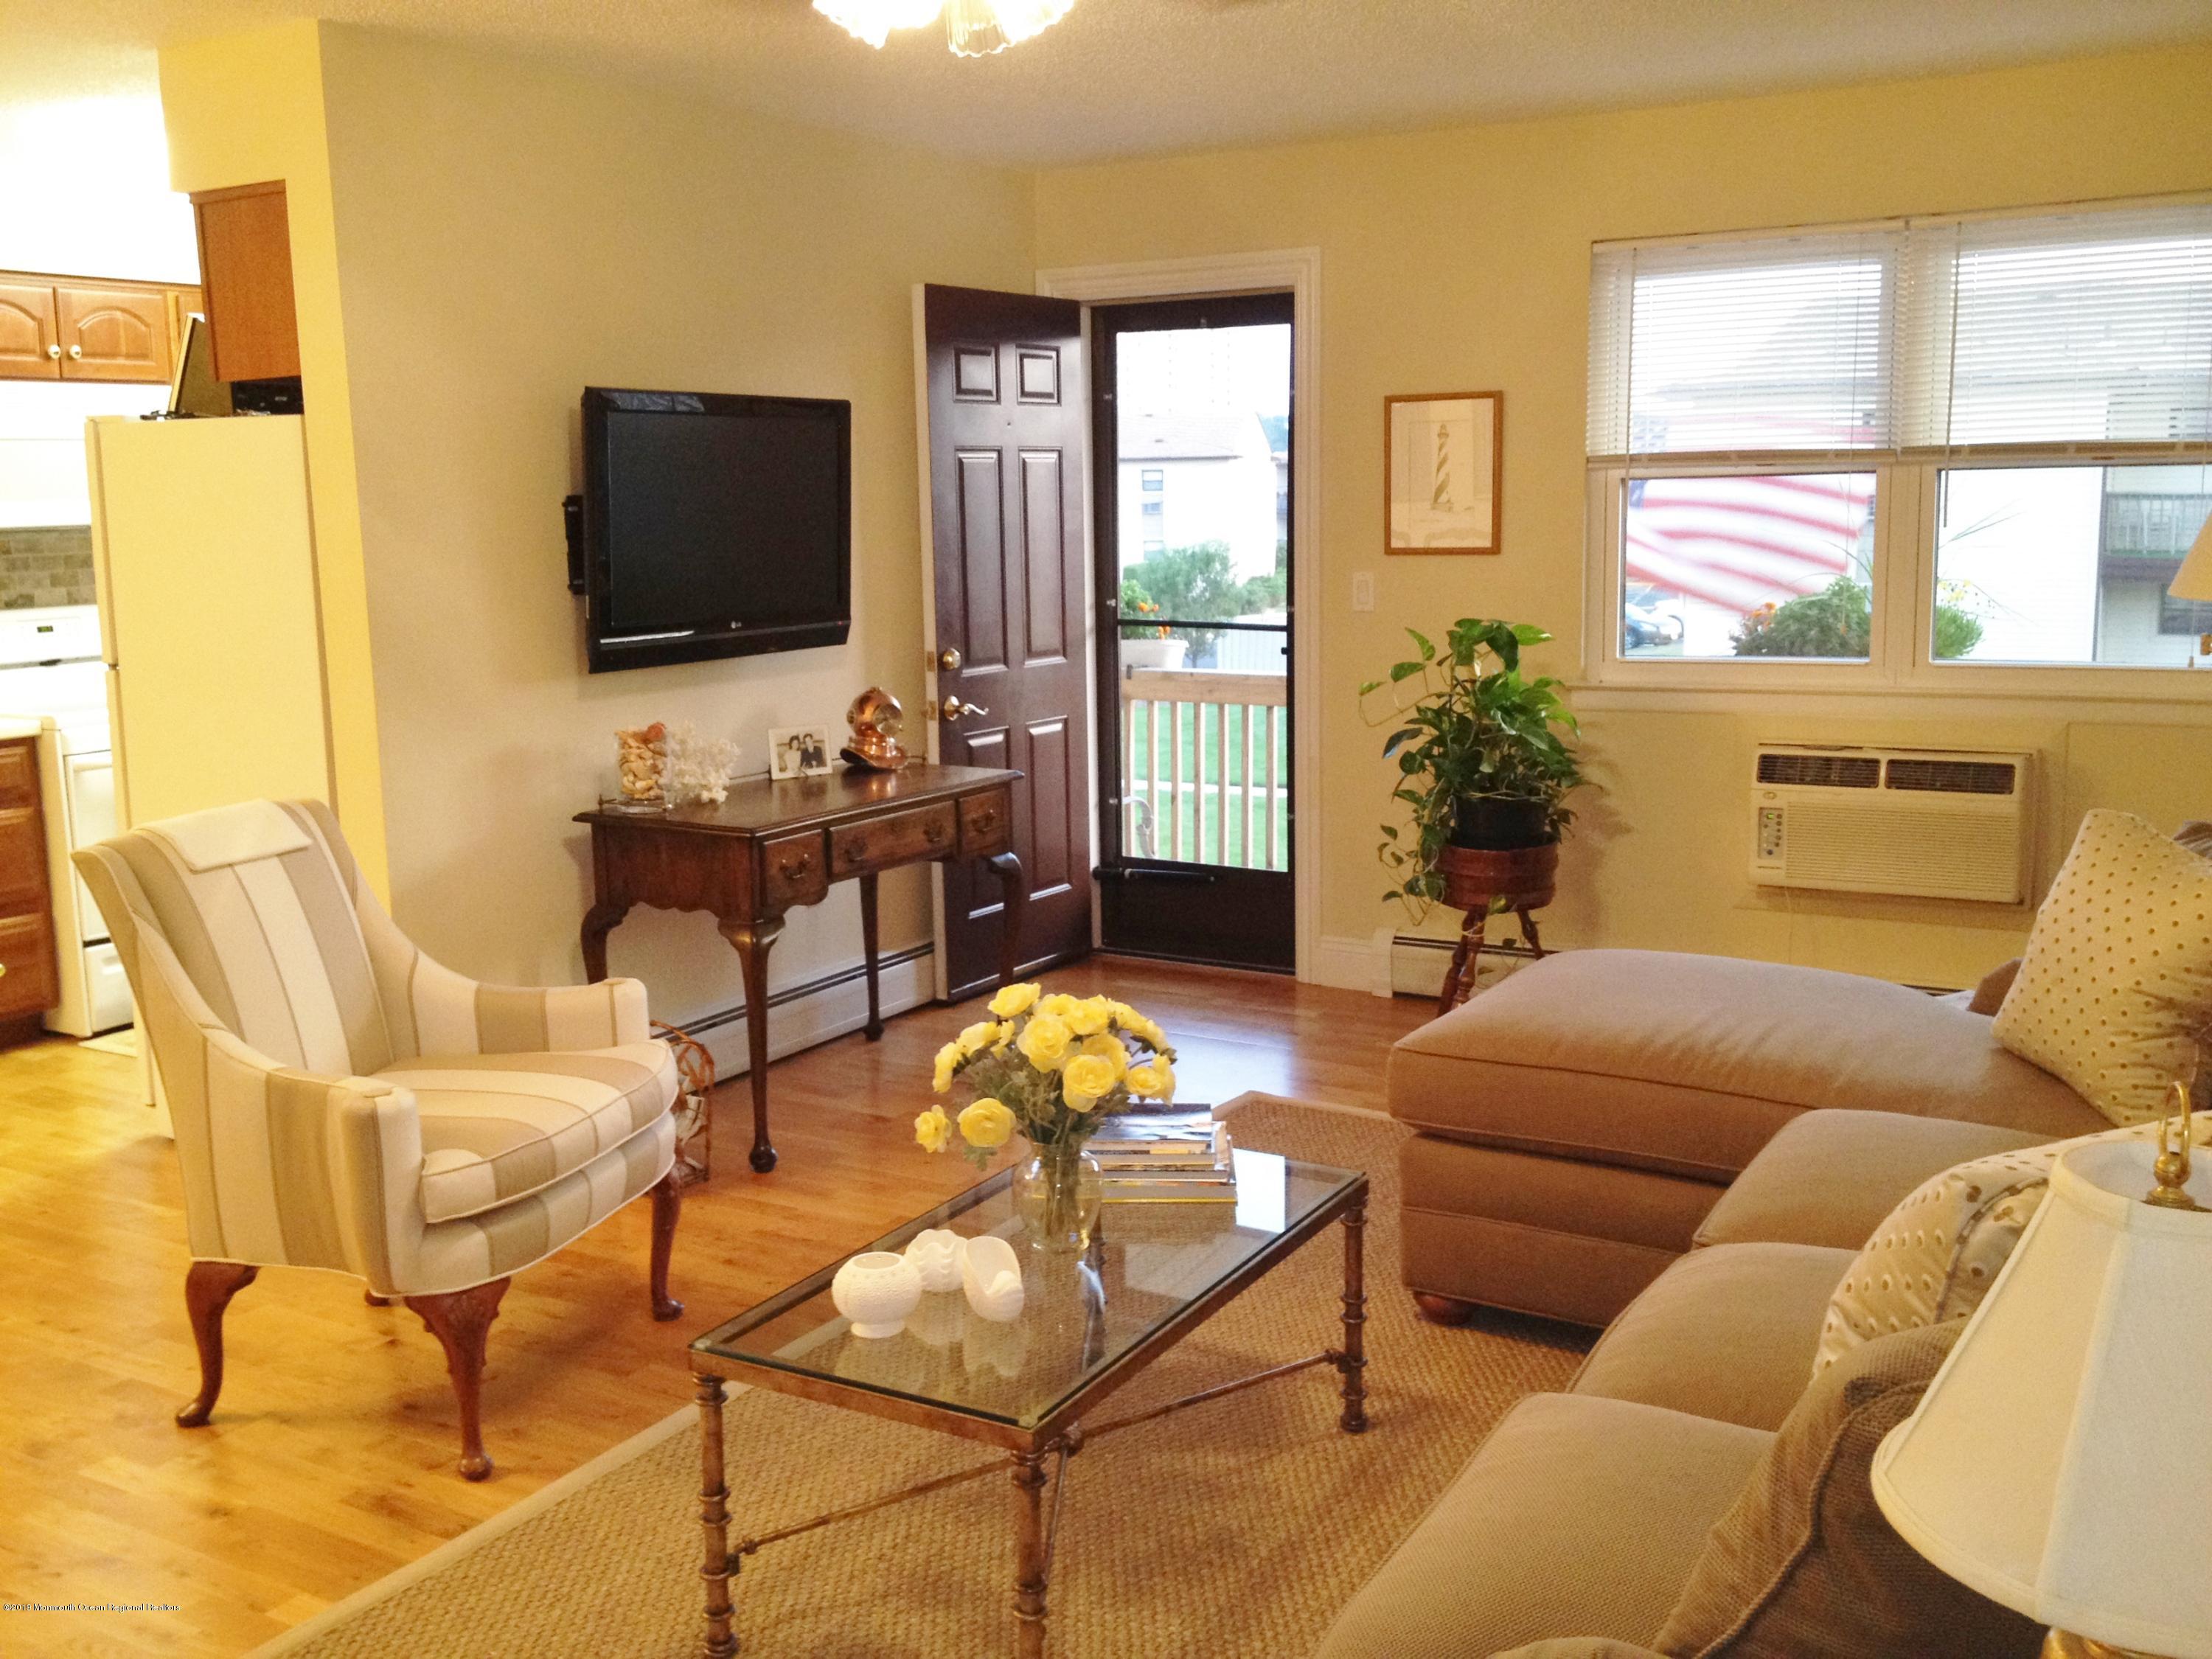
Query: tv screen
[[714, 526]]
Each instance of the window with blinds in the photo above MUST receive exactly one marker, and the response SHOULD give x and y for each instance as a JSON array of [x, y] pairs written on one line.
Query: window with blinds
[[2043, 381], [2089, 328]]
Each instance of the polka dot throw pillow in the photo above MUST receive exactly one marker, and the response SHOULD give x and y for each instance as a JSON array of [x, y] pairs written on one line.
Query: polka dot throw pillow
[[1935, 1255], [2115, 987]]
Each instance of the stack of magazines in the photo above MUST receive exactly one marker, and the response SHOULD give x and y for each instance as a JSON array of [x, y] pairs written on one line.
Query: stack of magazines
[[1165, 1158]]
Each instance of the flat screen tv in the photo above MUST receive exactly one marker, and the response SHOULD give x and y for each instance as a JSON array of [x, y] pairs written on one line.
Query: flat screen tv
[[714, 526]]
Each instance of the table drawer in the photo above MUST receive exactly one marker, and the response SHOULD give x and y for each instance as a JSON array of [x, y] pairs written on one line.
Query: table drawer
[[984, 827], [27, 952], [18, 774], [897, 838], [792, 871]]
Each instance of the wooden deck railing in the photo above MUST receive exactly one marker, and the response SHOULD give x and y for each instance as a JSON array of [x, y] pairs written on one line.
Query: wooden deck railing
[[1206, 767]]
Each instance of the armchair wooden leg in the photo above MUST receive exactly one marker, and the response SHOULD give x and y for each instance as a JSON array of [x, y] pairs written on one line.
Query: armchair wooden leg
[[460, 1320], [667, 1202], [208, 1290], [375, 1300], [1443, 1310]]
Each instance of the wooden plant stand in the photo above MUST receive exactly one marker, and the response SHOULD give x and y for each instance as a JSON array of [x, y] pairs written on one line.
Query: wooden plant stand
[[1482, 882]]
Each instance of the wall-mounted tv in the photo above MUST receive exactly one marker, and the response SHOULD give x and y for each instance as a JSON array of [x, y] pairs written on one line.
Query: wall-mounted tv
[[714, 526]]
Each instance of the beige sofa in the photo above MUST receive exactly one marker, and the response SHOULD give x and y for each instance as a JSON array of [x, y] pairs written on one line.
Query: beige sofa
[[1572, 1532], [1577, 1122]]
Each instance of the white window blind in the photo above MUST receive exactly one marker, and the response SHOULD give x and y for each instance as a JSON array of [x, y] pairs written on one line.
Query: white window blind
[[2092, 327]]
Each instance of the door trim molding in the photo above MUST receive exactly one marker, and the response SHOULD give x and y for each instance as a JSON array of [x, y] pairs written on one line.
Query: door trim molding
[[1297, 269]]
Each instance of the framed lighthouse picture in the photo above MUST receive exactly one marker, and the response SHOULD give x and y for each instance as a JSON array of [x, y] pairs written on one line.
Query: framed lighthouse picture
[[1441, 461]]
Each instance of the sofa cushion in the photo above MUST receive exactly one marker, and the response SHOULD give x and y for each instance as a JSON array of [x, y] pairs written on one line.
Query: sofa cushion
[[1934, 1256], [497, 1127], [1727, 1333], [1689, 1064], [2116, 983], [1804, 1565], [1582, 1647], [1830, 1177], [1578, 1515]]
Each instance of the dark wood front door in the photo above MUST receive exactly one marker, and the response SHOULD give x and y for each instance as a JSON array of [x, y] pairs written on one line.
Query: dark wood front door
[[1008, 442]]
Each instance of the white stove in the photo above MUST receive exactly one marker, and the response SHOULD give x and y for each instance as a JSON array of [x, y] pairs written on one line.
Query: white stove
[[52, 675]]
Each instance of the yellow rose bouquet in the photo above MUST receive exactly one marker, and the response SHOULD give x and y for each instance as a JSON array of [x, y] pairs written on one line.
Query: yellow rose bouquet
[[1047, 1068]]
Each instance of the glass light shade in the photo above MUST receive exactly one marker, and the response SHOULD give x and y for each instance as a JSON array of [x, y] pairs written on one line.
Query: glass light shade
[[873, 21], [976, 29], [2059, 1462]]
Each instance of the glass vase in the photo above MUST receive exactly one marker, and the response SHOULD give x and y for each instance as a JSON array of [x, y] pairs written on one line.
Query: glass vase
[[1057, 1195]]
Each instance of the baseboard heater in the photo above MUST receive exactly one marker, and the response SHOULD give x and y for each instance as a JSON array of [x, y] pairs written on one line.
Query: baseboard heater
[[1418, 962]]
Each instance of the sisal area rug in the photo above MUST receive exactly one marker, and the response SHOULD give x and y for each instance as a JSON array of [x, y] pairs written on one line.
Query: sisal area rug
[[1234, 1529]]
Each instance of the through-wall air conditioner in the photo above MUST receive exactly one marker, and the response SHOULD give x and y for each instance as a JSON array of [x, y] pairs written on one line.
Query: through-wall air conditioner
[[1928, 822]]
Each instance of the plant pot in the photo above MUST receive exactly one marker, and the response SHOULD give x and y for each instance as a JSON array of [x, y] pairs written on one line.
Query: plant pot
[[1501, 822], [1510, 878], [1153, 654]]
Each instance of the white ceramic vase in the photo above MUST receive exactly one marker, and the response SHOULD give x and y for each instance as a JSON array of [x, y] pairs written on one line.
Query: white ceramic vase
[[876, 1289], [938, 1254], [990, 1274]]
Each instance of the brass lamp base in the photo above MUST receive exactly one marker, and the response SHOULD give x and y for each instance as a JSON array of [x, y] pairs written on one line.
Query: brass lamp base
[[2065, 1644]]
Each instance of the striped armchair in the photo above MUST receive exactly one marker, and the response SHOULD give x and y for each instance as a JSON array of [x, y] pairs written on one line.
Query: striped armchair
[[341, 1101]]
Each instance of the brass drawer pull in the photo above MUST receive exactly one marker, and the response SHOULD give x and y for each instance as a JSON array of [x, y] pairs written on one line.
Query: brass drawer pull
[[793, 863], [986, 818], [933, 832], [856, 846]]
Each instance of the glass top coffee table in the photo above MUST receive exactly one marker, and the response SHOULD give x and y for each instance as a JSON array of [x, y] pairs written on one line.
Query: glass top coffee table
[[1090, 1323]]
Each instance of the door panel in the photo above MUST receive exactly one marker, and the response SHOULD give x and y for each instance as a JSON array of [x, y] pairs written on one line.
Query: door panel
[[28, 349], [1007, 441], [113, 333]]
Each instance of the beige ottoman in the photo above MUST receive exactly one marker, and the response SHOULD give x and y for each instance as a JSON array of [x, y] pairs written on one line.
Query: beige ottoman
[[1577, 1122]]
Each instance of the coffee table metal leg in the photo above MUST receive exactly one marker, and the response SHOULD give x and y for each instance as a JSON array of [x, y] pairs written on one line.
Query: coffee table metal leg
[[1029, 1554], [714, 1520], [1352, 1362]]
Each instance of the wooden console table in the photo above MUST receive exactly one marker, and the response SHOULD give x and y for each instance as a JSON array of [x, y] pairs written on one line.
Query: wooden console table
[[775, 845]]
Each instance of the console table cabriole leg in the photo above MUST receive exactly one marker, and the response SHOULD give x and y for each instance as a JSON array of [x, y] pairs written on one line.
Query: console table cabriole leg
[[1014, 903], [874, 1028], [1352, 1364], [600, 921], [1029, 1554], [751, 941], [715, 1572]]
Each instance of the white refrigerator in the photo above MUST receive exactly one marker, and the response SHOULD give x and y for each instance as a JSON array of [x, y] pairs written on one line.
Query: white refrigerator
[[204, 561]]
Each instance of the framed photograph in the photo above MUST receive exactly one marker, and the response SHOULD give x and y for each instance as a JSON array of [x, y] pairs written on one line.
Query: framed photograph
[[798, 751], [1441, 455]]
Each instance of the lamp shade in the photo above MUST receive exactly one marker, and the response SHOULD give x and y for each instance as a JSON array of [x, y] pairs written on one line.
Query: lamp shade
[[2194, 580], [2061, 1462]]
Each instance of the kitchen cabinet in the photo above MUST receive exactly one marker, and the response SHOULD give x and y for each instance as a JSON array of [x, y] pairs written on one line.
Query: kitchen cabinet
[[76, 328], [245, 266], [28, 980]]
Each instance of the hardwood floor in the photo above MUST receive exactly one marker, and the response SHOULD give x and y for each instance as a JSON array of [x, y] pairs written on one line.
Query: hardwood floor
[[330, 1459]]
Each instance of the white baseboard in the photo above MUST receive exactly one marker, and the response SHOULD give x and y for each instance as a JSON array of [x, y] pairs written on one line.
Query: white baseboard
[[829, 1005], [1354, 964]]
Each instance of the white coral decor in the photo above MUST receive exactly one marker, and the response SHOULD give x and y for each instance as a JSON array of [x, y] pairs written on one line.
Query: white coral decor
[[699, 768]]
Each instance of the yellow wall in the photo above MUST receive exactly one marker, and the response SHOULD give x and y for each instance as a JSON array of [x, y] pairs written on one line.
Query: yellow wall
[[1460, 259], [241, 110], [507, 235]]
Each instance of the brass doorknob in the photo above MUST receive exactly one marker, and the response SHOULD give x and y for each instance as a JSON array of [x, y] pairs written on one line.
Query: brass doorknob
[[77, 351], [954, 708], [949, 660], [53, 351]]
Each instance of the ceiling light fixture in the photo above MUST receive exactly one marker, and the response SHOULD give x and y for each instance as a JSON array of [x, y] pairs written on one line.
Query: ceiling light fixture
[[973, 28]]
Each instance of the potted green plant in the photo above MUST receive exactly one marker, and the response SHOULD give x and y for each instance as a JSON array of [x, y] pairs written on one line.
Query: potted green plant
[[1483, 753]]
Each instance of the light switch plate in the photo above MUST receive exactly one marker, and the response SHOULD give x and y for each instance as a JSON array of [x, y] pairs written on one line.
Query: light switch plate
[[1362, 590]]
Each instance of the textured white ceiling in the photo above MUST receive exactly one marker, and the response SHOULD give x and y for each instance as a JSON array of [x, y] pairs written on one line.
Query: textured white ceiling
[[1121, 77]]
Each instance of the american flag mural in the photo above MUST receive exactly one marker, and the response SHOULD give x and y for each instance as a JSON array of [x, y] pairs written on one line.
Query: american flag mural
[[1742, 543]]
